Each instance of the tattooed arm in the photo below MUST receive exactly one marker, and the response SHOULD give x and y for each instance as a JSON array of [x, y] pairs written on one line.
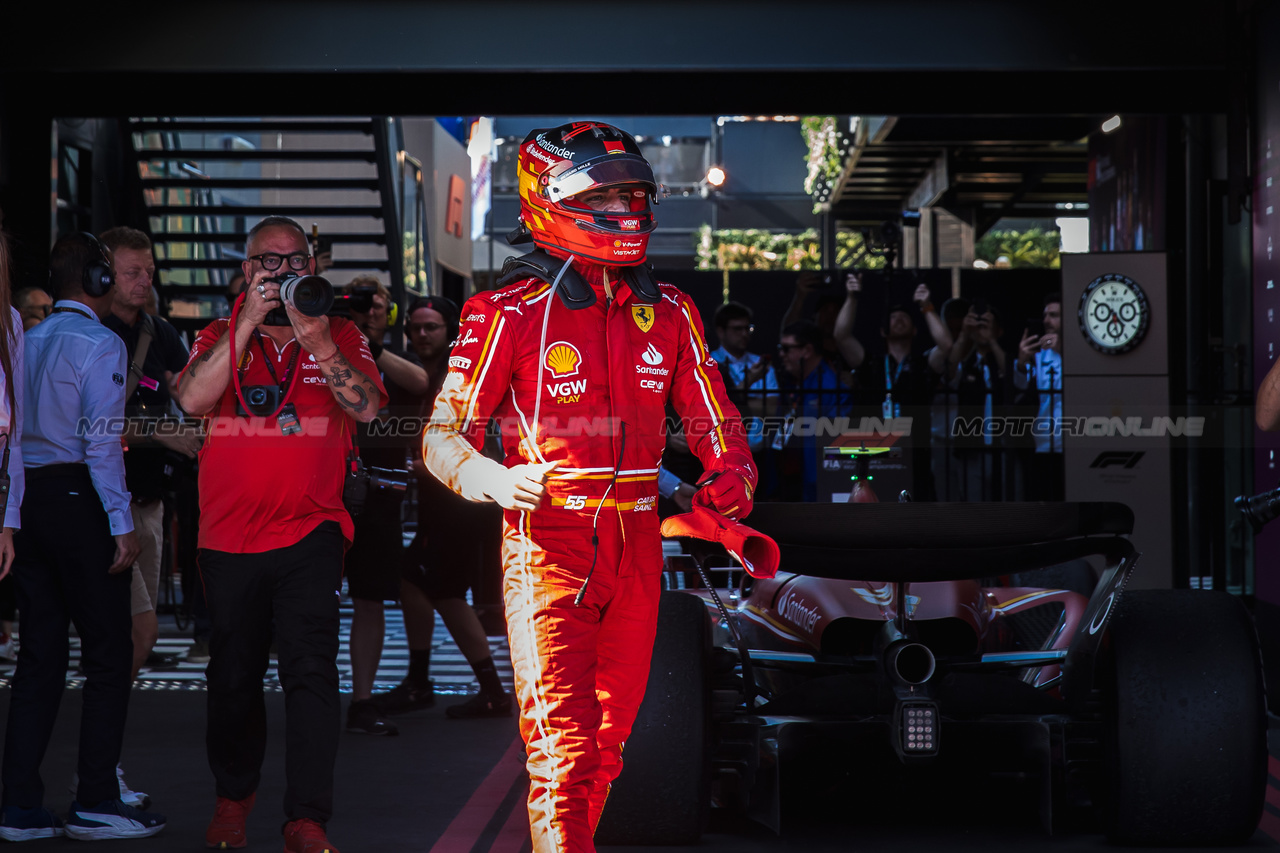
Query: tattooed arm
[[204, 380], [344, 359], [354, 391]]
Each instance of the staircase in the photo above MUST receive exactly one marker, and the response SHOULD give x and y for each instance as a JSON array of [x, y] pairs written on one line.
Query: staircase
[[205, 182]]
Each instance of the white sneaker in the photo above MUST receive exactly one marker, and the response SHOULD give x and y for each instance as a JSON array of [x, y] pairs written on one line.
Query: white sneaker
[[130, 797], [112, 819]]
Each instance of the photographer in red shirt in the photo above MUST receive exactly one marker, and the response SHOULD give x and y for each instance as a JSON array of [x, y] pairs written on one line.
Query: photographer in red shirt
[[273, 528]]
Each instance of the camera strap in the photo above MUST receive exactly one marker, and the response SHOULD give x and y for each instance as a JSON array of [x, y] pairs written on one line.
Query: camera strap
[[239, 366], [138, 358]]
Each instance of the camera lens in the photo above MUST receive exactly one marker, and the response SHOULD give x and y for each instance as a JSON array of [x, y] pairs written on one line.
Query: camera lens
[[360, 299], [256, 396], [312, 295], [1259, 509]]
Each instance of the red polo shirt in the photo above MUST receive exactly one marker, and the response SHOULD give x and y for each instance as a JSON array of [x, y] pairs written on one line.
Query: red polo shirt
[[259, 488]]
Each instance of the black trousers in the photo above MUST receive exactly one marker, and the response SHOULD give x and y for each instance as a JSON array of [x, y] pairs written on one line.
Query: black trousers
[[294, 589], [63, 551]]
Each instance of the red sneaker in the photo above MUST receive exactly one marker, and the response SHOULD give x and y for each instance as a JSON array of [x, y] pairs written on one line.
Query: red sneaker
[[306, 836], [226, 830]]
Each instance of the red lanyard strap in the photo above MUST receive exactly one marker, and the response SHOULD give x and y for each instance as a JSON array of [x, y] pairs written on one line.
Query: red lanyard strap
[[237, 374]]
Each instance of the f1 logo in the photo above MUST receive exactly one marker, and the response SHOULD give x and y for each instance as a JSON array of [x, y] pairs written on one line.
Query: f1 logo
[[1116, 459]]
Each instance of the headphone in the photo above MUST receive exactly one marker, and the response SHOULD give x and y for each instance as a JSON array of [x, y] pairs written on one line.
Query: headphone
[[97, 277]]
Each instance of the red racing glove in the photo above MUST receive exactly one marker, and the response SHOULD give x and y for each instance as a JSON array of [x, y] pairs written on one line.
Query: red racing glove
[[727, 492], [757, 553]]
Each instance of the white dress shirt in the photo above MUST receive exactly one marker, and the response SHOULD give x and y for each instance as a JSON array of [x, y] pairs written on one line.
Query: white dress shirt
[[11, 422], [75, 371], [667, 482], [738, 368], [1046, 370]]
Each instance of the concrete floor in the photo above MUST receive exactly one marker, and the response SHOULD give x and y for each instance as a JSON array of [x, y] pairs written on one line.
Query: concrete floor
[[449, 786]]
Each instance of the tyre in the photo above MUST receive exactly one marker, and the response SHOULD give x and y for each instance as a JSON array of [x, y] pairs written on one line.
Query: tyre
[[661, 796], [1185, 752]]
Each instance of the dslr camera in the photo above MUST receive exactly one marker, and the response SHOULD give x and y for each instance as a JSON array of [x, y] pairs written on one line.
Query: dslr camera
[[359, 480], [358, 299], [1259, 509], [262, 400], [311, 295]]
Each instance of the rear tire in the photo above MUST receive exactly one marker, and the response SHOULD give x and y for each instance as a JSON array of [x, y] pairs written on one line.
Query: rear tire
[[1185, 750], [662, 794]]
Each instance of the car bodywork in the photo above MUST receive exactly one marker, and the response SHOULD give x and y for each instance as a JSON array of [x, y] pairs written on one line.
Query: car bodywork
[[880, 613]]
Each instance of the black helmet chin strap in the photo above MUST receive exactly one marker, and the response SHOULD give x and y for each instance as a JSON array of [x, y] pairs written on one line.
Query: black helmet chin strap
[[643, 285], [573, 290], [519, 235]]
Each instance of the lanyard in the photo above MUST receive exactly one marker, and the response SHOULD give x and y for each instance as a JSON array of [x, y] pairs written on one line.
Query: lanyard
[[65, 309], [282, 384], [889, 380], [1046, 370]]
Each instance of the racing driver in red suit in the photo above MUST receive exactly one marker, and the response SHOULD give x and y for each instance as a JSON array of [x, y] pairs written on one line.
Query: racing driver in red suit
[[576, 355]]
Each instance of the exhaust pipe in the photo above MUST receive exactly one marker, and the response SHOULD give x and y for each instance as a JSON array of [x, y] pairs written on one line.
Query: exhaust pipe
[[910, 663]]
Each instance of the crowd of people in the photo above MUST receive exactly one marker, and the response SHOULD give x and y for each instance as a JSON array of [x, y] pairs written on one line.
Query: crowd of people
[[274, 437], [938, 377]]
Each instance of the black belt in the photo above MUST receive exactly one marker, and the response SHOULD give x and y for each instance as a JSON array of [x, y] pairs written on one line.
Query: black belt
[[62, 469]]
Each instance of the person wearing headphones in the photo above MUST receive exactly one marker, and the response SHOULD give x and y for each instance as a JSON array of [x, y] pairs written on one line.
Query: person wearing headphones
[[75, 369], [394, 363], [576, 354], [281, 392]]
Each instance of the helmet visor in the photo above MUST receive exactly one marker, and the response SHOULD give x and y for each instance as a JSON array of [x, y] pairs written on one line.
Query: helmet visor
[[602, 172]]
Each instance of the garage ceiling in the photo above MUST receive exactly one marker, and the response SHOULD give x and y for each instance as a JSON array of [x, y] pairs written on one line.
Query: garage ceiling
[[978, 168]]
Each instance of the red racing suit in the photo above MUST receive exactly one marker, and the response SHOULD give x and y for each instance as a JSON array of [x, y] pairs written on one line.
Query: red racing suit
[[600, 393]]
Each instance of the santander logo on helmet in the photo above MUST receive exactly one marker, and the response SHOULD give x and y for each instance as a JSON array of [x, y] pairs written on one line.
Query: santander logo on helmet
[[560, 168]]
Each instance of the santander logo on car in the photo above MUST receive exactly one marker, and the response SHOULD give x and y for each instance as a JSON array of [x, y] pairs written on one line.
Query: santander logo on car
[[798, 612]]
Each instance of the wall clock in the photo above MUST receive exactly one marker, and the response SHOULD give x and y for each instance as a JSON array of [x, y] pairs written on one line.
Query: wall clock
[[1114, 313]]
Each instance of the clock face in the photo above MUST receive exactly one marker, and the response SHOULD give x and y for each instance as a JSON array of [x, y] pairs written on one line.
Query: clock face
[[1114, 313]]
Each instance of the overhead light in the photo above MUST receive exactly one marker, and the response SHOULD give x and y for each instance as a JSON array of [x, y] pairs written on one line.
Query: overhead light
[[715, 176], [1111, 124]]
